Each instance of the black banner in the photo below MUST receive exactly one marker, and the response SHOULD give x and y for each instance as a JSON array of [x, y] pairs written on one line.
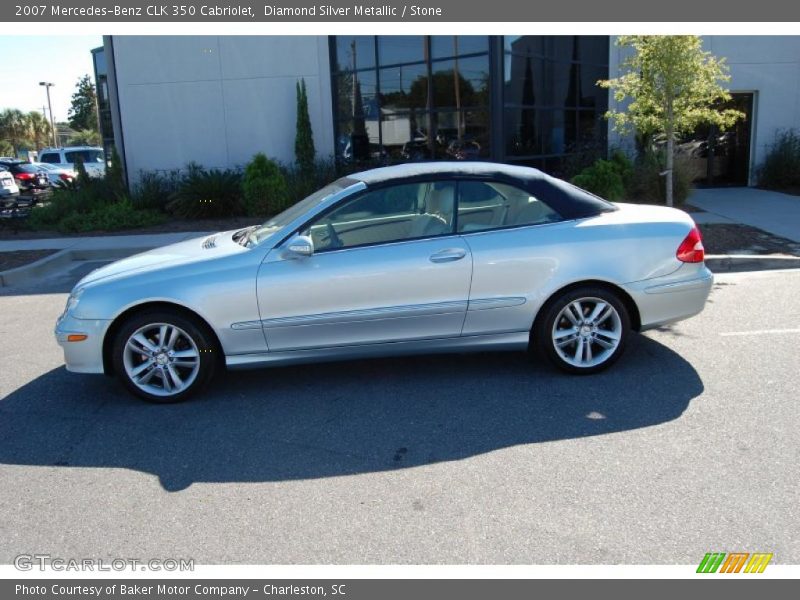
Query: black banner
[[394, 11]]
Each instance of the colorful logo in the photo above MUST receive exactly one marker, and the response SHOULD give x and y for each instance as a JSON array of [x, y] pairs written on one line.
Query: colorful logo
[[734, 562]]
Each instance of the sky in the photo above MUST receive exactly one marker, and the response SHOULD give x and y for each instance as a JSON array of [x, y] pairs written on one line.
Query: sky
[[27, 60]]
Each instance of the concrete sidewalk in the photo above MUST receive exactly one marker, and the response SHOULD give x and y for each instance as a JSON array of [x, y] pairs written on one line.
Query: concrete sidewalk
[[133, 243], [773, 212]]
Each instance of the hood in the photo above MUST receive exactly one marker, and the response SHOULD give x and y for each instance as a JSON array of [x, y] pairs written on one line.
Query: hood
[[188, 251]]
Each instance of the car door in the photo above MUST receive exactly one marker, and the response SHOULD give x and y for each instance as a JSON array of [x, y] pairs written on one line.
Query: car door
[[386, 267], [512, 236]]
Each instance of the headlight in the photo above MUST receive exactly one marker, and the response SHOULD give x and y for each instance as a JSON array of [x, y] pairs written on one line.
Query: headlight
[[72, 301]]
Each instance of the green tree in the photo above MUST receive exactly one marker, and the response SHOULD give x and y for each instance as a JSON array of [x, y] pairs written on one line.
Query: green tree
[[85, 137], [304, 138], [83, 110], [40, 130], [15, 128], [673, 85]]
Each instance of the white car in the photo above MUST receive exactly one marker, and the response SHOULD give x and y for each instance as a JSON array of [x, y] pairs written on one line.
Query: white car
[[57, 174], [94, 159], [9, 190]]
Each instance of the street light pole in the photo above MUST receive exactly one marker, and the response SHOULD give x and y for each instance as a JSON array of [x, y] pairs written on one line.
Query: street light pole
[[47, 85]]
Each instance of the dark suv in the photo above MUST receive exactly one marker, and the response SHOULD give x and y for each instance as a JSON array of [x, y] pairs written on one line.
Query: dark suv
[[33, 183]]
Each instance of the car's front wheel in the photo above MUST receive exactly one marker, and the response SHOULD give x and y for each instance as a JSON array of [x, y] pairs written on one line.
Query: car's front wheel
[[583, 330], [164, 356]]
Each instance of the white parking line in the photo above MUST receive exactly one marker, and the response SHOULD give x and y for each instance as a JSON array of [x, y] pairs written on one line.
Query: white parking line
[[761, 332]]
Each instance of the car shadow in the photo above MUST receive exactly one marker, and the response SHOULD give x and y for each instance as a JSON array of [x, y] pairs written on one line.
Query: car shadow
[[335, 419]]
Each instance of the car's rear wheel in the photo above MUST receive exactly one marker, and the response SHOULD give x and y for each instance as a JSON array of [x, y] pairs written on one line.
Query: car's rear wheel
[[164, 356], [583, 330]]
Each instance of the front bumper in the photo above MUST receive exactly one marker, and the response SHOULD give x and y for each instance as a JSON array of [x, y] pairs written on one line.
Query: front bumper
[[85, 356], [675, 297]]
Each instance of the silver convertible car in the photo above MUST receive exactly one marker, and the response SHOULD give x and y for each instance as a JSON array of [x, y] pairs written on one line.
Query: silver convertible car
[[422, 258]]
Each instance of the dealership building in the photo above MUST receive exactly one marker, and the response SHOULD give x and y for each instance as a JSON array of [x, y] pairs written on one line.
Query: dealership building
[[166, 101]]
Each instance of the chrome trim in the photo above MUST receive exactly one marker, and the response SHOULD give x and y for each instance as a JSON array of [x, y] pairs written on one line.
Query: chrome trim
[[386, 312], [489, 303]]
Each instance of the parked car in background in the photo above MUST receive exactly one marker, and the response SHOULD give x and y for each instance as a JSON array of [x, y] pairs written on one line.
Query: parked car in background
[[32, 181], [9, 190], [57, 174], [94, 159], [411, 259]]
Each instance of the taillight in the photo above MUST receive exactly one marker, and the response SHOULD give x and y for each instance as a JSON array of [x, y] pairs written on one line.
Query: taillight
[[64, 177], [24, 176], [691, 249]]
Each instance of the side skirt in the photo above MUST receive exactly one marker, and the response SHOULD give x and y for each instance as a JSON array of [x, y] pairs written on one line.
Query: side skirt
[[517, 340]]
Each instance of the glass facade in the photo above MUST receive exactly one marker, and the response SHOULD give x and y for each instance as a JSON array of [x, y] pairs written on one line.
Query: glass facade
[[404, 98], [525, 99], [103, 102]]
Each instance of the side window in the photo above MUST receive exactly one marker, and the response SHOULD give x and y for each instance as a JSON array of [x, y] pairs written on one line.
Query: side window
[[489, 205], [401, 212], [49, 157]]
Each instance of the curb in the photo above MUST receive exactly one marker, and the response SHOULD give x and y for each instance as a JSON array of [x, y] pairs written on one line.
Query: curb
[[736, 263], [44, 266]]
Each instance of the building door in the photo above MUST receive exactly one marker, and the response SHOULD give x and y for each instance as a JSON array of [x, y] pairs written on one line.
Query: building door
[[721, 158]]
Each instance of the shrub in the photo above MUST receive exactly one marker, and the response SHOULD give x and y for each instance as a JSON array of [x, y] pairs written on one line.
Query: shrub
[[647, 185], [603, 179], [781, 167], [67, 201], [154, 190], [301, 183], [208, 194], [264, 188], [111, 217]]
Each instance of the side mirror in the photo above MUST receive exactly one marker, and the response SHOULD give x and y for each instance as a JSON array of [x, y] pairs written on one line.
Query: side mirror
[[299, 246]]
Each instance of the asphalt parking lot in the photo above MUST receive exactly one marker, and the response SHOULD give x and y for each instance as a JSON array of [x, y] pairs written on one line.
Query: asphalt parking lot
[[688, 445]]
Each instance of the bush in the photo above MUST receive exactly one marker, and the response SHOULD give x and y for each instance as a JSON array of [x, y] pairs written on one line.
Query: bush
[[205, 194], [647, 185], [264, 188], [603, 178], [154, 190], [781, 168], [301, 183], [111, 217]]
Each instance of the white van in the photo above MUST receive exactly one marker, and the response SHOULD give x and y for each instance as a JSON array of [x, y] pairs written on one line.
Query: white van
[[93, 158]]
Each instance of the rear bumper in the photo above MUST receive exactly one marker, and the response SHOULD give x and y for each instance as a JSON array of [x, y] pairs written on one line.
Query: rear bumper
[[85, 356], [675, 297]]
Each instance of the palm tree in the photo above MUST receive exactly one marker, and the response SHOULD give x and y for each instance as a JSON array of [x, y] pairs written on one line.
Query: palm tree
[[14, 128], [39, 129]]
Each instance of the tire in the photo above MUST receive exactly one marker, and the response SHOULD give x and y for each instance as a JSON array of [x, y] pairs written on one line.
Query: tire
[[169, 372], [586, 343]]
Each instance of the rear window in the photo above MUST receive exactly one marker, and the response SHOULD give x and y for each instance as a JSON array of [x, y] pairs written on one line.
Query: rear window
[[50, 157], [27, 168], [87, 156]]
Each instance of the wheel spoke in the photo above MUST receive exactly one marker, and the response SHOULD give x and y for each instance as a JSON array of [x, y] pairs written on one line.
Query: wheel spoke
[[606, 333], [143, 342], [577, 307], [171, 373], [148, 375], [141, 368], [187, 364], [605, 314], [190, 353], [588, 350], [165, 379], [598, 308], [579, 350], [604, 343], [562, 333], [173, 337]]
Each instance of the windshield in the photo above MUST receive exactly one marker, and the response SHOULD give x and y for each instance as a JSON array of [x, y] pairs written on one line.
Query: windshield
[[290, 214], [87, 156]]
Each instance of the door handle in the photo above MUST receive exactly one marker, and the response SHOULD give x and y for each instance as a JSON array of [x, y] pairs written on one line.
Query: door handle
[[448, 255]]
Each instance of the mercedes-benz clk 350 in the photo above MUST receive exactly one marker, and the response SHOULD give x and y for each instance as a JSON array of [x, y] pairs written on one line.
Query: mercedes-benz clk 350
[[418, 258]]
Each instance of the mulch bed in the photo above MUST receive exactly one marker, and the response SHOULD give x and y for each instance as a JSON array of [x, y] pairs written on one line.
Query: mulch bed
[[18, 258], [725, 238]]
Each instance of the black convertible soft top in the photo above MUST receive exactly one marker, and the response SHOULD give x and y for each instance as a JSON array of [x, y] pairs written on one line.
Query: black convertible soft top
[[569, 201]]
